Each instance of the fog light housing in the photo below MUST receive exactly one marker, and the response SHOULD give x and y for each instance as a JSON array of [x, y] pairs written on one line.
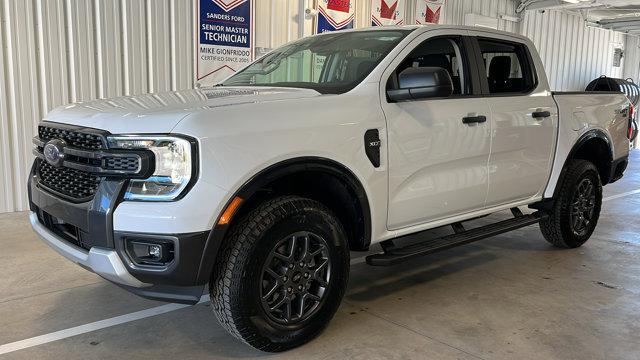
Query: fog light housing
[[155, 252], [147, 252]]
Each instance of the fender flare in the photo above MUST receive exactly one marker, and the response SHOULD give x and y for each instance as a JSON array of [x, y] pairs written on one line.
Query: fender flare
[[583, 139], [270, 174]]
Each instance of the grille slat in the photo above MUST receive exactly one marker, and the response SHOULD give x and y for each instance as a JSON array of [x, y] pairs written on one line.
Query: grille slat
[[76, 139], [68, 182], [122, 163], [72, 184]]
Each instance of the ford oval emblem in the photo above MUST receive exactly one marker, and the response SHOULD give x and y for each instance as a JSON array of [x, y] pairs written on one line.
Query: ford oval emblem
[[54, 152]]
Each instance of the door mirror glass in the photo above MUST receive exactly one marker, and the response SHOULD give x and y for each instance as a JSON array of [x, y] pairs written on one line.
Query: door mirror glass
[[417, 83]]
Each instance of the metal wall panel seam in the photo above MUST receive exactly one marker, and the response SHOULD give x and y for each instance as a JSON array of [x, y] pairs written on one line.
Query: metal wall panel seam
[[126, 85], [71, 50], [172, 45], [150, 54], [6, 196], [12, 131], [97, 39]]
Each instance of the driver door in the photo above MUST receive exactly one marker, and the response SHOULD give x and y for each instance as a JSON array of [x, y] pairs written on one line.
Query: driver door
[[437, 159]]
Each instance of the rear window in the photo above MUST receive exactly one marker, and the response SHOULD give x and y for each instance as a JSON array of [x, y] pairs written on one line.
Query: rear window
[[508, 67]]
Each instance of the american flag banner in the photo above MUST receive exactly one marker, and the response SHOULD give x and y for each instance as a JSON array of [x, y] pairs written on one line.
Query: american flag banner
[[428, 11], [387, 12]]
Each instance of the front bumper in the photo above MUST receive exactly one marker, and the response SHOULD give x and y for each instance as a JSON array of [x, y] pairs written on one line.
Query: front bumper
[[95, 246], [104, 262]]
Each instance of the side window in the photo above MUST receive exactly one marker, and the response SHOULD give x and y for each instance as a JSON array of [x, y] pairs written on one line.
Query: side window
[[446, 53], [507, 67]]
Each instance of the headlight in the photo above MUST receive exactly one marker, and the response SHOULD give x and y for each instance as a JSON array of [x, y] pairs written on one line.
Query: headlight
[[173, 166]]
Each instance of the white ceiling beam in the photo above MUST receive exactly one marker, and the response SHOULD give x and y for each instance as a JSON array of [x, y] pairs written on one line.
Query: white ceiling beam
[[559, 4], [619, 21], [624, 27]]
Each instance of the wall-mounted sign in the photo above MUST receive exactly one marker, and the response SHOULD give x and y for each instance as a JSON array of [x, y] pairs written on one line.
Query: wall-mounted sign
[[387, 12], [335, 15], [428, 11], [225, 38]]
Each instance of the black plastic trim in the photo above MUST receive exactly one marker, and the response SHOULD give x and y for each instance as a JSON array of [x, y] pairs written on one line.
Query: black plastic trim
[[270, 174], [182, 271], [188, 295], [589, 135], [618, 168], [94, 217], [372, 144], [560, 93], [393, 255]]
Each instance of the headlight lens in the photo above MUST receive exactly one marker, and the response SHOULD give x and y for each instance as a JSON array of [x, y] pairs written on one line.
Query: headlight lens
[[173, 166]]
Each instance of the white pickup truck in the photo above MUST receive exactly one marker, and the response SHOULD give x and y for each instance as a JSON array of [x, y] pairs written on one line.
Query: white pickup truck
[[261, 186]]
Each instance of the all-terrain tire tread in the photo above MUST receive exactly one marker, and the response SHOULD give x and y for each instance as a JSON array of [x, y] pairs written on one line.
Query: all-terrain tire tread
[[228, 271], [551, 226]]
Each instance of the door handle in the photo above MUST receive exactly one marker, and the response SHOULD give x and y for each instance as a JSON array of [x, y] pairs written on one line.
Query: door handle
[[474, 119], [541, 114]]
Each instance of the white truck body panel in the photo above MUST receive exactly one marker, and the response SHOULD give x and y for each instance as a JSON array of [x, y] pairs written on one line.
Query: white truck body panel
[[581, 113], [425, 179]]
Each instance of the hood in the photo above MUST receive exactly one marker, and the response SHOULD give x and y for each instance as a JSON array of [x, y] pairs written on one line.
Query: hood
[[160, 113]]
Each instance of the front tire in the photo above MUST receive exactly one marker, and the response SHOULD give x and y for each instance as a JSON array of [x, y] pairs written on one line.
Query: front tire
[[281, 274], [576, 210]]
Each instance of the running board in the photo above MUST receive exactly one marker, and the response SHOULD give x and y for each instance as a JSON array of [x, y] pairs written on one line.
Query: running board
[[393, 255]]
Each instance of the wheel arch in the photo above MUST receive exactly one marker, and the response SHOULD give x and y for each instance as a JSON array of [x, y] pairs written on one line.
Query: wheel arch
[[350, 202], [594, 146]]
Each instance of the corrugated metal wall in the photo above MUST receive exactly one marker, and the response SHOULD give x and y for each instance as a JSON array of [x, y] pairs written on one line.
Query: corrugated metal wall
[[573, 54], [454, 12], [632, 59], [60, 51]]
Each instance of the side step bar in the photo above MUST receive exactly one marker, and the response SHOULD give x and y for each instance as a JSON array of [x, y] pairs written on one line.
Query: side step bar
[[393, 255]]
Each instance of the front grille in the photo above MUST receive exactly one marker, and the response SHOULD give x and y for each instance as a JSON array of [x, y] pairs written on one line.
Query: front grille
[[121, 163], [70, 183], [74, 138], [85, 161]]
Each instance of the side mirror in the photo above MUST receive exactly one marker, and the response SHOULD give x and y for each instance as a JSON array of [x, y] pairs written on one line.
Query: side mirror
[[422, 83]]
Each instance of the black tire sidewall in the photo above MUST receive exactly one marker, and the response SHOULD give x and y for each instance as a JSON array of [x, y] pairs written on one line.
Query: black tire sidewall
[[581, 171], [313, 219]]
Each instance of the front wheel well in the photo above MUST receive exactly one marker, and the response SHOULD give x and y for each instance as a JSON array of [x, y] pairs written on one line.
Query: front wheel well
[[321, 180]]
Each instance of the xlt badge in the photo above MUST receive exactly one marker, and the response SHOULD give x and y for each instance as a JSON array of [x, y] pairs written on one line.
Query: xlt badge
[[372, 146]]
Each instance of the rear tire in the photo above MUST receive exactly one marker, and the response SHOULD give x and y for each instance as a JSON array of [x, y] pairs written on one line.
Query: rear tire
[[576, 210], [281, 274]]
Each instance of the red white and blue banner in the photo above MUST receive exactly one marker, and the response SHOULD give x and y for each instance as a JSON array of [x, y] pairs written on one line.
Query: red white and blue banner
[[428, 11], [335, 15], [387, 12], [225, 38]]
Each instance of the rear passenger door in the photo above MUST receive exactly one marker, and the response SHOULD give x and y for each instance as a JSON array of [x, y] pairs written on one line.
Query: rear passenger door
[[523, 119]]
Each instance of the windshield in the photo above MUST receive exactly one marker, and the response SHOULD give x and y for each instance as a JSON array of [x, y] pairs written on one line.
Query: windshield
[[330, 63]]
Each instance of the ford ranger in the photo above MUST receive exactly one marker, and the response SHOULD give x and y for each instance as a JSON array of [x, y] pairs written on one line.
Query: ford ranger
[[261, 186]]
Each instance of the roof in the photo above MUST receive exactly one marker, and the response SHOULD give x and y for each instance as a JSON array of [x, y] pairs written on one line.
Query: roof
[[432, 27]]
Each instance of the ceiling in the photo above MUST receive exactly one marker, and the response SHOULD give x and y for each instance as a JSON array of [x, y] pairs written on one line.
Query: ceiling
[[619, 15]]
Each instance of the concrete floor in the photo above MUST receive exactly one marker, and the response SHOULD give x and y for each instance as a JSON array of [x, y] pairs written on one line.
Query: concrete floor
[[509, 297]]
